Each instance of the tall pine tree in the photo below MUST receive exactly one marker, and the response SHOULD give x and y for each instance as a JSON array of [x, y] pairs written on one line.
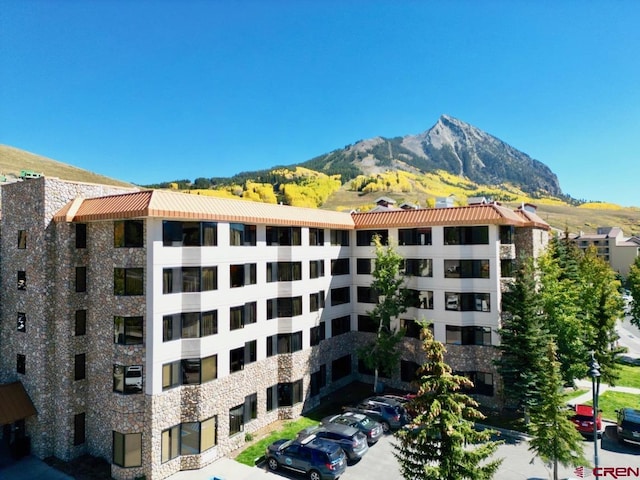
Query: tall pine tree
[[441, 442], [633, 281]]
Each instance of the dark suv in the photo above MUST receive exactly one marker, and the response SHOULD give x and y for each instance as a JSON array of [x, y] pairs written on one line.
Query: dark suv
[[390, 413], [368, 426], [316, 458], [628, 425], [350, 439]]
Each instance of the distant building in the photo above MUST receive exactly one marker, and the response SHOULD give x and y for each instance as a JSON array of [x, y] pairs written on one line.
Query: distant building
[[156, 329], [612, 246]]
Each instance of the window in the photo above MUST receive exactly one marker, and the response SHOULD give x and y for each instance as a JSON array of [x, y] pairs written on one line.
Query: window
[[284, 307], [127, 281], [189, 279], [284, 343], [363, 266], [189, 234], [340, 237], [507, 268], [170, 443], [21, 363], [318, 380], [284, 271], [236, 419], [283, 236], [289, 393], [240, 234], [466, 268], [316, 301], [467, 302], [340, 296], [272, 400], [127, 449], [366, 324], [127, 233], [81, 279], [242, 315], [411, 328], [127, 330], [418, 267], [414, 236], [21, 322], [79, 429], [482, 382], [189, 325], [241, 275], [81, 323], [408, 371], [340, 266], [340, 368], [365, 237], [468, 335], [22, 239], [239, 357], [420, 299], [317, 334], [80, 366], [127, 379], [316, 236], [466, 235], [367, 295], [316, 268], [190, 371], [340, 325], [22, 280], [81, 235], [507, 234]]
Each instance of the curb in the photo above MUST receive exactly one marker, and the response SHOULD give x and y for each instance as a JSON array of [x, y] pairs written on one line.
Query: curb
[[504, 432]]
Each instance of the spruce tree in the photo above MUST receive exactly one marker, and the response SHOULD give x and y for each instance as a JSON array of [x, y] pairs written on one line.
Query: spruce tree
[[441, 442], [633, 281], [554, 437]]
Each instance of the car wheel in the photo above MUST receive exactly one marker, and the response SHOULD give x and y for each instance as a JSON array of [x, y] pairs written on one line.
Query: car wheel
[[314, 475], [385, 427], [273, 464]]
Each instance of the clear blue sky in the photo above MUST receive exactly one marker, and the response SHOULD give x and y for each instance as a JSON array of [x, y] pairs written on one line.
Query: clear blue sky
[[150, 91]]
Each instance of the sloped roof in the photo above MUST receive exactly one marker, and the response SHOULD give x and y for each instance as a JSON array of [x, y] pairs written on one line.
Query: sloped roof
[[165, 204]]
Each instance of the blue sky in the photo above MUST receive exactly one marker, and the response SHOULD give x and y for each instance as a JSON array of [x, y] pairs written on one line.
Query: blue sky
[[157, 90]]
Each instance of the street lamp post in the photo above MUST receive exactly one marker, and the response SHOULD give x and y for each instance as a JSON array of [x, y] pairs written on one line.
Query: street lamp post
[[594, 372]]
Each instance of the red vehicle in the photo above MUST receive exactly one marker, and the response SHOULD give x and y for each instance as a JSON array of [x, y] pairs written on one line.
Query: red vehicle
[[583, 420]]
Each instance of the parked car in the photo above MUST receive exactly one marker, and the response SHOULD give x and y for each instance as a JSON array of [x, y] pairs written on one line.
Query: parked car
[[389, 413], [314, 457], [628, 425], [368, 426], [350, 439], [583, 420]]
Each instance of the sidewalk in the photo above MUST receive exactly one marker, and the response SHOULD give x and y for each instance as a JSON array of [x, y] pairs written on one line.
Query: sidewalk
[[588, 396]]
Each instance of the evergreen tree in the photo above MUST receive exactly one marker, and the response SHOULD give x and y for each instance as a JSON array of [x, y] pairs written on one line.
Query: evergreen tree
[[523, 340], [633, 281], [383, 354], [441, 442], [555, 438]]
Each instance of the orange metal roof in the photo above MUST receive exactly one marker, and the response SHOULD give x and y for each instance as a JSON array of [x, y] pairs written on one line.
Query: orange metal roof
[[469, 215], [15, 403]]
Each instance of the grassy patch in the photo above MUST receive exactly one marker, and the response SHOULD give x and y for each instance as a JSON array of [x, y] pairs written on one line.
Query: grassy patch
[[571, 394], [629, 376], [288, 430], [611, 401]]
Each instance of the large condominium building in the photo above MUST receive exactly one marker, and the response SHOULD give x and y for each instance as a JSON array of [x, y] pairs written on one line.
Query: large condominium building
[[612, 246], [155, 329]]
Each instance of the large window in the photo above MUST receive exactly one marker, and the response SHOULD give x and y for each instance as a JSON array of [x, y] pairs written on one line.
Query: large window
[[80, 323], [22, 239], [340, 296], [128, 281], [190, 371], [418, 267], [365, 237], [284, 343], [127, 379], [318, 380], [127, 330], [466, 268], [284, 271], [468, 335], [467, 302], [22, 280], [317, 334], [340, 266], [189, 279], [316, 236], [507, 234], [507, 268], [239, 357], [289, 393], [367, 295], [242, 235], [411, 328], [21, 322], [241, 275], [79, 429], [189, 325], [284, 307], [81, 235], [340, 237], [316, 268], [21, 363], [366, 324], [189, 438], [127, 233], [340, 325], [242, 315], [284, 236], [316, 301], [243, 413], [466, 235], [420, 299], [80, 366], [408, 371], [81, 279], [364, 266], [482, 383], [189, 234], [414, 236], [340, 368], [127, 449]]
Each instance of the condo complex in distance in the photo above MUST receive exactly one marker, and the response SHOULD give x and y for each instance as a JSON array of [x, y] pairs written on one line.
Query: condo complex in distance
[[156, 329]]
